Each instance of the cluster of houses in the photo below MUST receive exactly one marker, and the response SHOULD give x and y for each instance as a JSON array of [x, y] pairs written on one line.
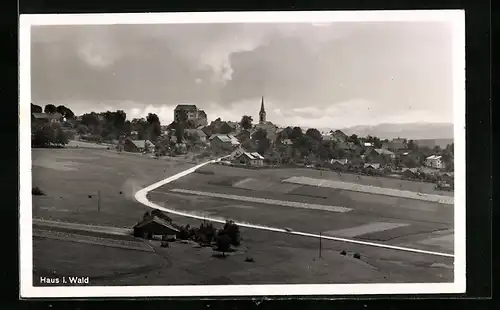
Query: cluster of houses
[[223, 137]]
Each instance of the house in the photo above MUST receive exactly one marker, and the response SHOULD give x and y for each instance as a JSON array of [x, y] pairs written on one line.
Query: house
[[343, 161], [44, 118], [368, 144], [371, 166], [287, 142], [435, 161], [236, 153], [198, 133], [396, 145], [154, 225], [339, 164], [251, 159], [223, 142], [138, 146], [381, 156], [410, 173]]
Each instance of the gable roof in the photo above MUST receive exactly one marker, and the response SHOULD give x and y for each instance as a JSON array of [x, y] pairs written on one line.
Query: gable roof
[[383, 152], [41, 115], [374, 165], [343, 161], [141, 143], [251, 156], [157, 220], [434, 157], [200, 133]]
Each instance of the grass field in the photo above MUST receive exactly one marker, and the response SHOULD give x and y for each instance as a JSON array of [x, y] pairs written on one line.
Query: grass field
[[69, 176]]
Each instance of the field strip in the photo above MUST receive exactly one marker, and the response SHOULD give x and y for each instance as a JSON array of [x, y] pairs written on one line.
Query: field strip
[[371, 189], [72, 237], [282, 203], [83, 227], [141, 197]]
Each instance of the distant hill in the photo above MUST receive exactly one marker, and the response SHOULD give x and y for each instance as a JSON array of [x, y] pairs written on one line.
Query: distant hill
[[415, 131]]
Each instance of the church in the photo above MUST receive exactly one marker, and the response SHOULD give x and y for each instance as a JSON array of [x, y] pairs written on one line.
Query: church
[[269, 127]]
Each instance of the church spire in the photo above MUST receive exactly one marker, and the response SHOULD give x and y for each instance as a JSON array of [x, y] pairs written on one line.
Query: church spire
[[262, 113]]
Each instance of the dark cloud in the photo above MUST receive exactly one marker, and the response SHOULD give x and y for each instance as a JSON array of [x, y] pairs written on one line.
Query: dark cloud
[[385, 70]]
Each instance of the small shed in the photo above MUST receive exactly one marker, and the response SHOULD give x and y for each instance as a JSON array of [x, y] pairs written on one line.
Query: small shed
[[154, 225]]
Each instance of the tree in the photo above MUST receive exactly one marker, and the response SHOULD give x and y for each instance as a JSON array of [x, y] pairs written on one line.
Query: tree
[[141, 126], [154, 126], [233, 231], [42, 136], [65, 112], [119, 120], [353, 138], [411, 145], [223, 243], [246, 122], [61, 138], [261, 140], [36, 108], [314, 134], [50, 108], [90, 119], [179, 132], [295, 133]]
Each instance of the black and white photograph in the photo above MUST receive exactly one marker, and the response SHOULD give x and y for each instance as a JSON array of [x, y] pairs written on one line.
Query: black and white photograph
[[238, 154]]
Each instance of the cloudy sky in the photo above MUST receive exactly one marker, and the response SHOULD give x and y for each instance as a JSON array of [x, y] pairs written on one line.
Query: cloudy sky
[[312, 75]]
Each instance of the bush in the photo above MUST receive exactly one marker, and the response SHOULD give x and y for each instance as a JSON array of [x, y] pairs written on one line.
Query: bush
[[357, 255], [37, 191], [249, 259], [183, 233], [207, 232]]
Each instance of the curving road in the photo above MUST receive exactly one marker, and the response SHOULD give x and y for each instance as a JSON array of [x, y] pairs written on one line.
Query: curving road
[[141, 196]]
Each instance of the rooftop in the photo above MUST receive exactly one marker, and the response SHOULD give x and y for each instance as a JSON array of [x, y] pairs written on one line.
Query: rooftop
[[186, 107], [142, 143]]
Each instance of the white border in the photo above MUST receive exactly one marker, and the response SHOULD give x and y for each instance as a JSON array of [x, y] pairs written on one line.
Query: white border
[[27, 290]]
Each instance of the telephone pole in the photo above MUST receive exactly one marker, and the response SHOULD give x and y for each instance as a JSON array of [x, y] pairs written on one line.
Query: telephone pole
[[320, 245], [98, 201]]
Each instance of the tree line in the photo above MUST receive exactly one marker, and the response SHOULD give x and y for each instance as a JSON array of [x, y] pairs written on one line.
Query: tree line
[[309, 147]]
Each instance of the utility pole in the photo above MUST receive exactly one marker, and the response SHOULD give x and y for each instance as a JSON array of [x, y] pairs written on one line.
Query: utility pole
[[98, 201], [320, 245]]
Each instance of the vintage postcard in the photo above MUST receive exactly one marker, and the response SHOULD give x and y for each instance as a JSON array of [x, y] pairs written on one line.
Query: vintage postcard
[[242, 154]]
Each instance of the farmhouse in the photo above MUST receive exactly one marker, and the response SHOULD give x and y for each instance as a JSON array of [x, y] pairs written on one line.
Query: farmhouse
[[381, 156], [410, 173], [435, 161], [154, 225], [339, 164], [197, 133], [137, 146], [44, 118], [251, 159], [396, 145], [223, 142]]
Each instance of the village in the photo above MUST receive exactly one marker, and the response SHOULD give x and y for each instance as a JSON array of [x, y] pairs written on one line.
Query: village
[[261, 145]]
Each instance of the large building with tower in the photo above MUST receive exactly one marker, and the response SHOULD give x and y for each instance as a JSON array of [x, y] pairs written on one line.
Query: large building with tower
[[199, 117]]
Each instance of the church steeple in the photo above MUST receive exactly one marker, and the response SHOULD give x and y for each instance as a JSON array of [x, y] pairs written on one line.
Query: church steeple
[[262, 113]]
